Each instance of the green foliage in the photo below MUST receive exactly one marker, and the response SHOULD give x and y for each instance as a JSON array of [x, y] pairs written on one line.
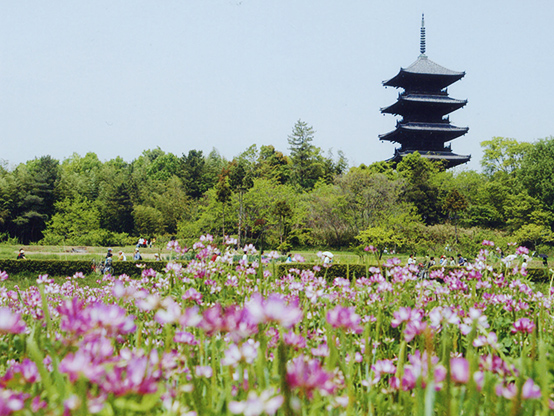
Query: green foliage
[[349, 271], [537, 171], [308, 165], [73, 220], [49, 267], [148, 221], [193, 173], [305, 199], [380, 238], [532, 235], [421, 191], [503, 155], [62, 268]]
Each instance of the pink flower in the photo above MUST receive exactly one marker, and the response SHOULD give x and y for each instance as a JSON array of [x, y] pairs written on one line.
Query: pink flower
[[11, 401], [395, 261], [247, 353], [296, 340], [273, 255], [212, 320], [80, 363], [414, 328], [530, 390], [10, 322], [111, 318], [508, 391], [488, 243], [523, 325], [491, 339], [185, 338], [322, 350], [43, 278], [27, 370], [133, 374], [308, 375], [273, 309], [3, 276], [521, 250], [265, 403], [459, 370], [298, 258], [250, 249], [170, 313], [475, 315], [190, 317], [229, 241], [345, 318], [382, 367], [203, 371], [405, 314]]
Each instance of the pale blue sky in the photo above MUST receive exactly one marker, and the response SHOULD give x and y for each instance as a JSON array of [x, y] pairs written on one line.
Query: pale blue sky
[[118, 77]]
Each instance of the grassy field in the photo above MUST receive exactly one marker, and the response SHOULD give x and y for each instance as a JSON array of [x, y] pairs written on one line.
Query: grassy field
[[74, 252], [90, 253]]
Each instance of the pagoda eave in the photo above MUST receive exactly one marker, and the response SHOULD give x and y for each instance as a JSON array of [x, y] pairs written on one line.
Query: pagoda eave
[[436, 132], [448, 158], [421, 82], [413, 106], [424, 73]]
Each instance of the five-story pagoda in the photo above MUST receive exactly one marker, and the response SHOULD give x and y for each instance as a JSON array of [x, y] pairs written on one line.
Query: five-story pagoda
[[424, 105]]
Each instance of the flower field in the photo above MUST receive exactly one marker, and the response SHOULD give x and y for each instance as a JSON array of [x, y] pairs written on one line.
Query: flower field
[[217, 338]]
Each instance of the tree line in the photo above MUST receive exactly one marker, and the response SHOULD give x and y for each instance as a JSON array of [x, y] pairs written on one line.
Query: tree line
[[300, 199]]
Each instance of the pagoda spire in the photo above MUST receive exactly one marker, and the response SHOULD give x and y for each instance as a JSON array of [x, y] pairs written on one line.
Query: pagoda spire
[[422, 38]]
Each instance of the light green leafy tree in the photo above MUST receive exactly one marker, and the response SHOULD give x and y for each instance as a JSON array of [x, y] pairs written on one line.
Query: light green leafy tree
[[380, 238], [76, 222], [503, 155]]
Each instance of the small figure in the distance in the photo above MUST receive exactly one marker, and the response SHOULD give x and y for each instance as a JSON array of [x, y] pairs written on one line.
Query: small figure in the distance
[[21, 254]]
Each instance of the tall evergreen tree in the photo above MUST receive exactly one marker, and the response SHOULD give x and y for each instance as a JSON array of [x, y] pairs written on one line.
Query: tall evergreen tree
[[307, 164]]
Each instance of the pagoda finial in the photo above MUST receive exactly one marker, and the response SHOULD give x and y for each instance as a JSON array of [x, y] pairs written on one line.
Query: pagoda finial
[[422, 41]]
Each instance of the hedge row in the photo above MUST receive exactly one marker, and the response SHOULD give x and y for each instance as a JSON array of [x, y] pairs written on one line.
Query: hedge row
[[70, 267], [57, 268], [350, 271]]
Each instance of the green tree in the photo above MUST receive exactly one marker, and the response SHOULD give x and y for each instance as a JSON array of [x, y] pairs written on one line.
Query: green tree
[[454, 204], [420, 190], [76, 222], [272, 164], [33, 198], [79, 176], [503, 155], [532, 235], [193, 167], [148, 221], [116, 207], [328, 216], [380, 238], [537, 171], [223, 195], [241, 174], [307, 163]]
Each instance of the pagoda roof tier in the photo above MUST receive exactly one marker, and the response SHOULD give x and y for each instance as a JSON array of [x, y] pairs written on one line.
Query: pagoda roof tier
[[442, 132], [450, 159], [424, 75], [424, 103]]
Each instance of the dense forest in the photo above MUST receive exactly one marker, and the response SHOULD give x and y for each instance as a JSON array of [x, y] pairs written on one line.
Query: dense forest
[[282, 201]]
